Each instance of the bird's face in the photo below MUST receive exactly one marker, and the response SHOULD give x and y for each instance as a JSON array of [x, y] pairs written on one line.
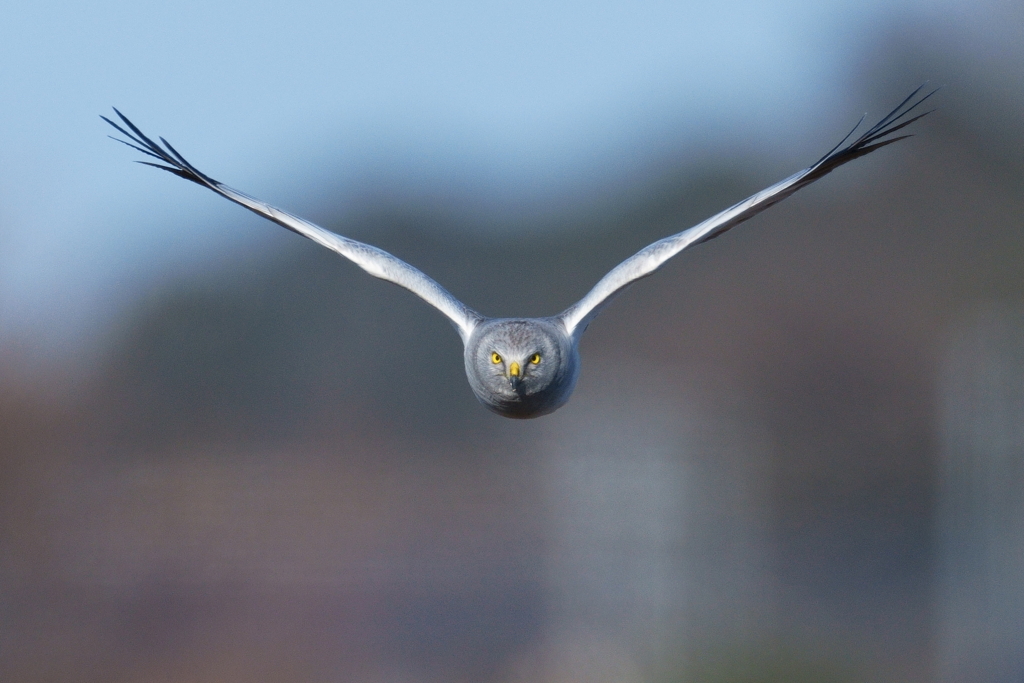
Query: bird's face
[[521, 368]]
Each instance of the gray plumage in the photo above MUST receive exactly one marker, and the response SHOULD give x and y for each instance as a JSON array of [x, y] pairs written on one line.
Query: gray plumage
[[528, 367]]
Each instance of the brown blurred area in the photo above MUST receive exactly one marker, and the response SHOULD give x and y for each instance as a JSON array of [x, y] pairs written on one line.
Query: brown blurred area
[[278, 473]]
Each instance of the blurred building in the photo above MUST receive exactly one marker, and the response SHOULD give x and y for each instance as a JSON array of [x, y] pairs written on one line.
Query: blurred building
[[980, 522], [656, 539]]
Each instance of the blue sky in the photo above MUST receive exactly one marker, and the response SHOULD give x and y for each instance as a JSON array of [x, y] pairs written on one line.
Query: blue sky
[[510, 101]]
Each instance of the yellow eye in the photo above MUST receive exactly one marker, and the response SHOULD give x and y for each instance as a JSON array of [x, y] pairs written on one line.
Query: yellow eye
[[495, 358], [535, 359]]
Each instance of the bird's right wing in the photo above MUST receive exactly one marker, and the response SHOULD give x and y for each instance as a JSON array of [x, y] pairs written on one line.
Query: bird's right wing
[[649, 259], [374, 261]]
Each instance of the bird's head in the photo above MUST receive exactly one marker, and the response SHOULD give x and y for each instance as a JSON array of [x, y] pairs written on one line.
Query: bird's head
[[521, 368]]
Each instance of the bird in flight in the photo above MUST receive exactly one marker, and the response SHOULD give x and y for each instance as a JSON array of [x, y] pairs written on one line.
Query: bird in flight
[[527, 367]]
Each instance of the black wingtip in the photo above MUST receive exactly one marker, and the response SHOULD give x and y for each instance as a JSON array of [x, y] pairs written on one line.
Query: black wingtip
[[875, 137], [171, 169], [175, 162]]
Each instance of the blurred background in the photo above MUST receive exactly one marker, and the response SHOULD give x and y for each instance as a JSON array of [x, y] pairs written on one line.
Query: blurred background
[[795, 454]]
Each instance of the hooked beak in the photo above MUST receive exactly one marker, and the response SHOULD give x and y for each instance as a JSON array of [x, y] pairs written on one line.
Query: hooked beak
[[514, 375]]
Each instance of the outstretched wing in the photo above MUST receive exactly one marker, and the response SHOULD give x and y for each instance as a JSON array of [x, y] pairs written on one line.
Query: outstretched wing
[[374, 261], [651, 258]]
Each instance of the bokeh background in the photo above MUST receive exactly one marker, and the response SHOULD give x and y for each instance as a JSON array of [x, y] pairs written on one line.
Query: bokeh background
[[797, 453]]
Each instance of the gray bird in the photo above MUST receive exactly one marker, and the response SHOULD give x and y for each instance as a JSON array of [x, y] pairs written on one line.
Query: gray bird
[[527, 367]]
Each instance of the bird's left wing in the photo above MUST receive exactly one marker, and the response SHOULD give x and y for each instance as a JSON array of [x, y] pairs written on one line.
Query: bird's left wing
[[374, 261], [649, 259]]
